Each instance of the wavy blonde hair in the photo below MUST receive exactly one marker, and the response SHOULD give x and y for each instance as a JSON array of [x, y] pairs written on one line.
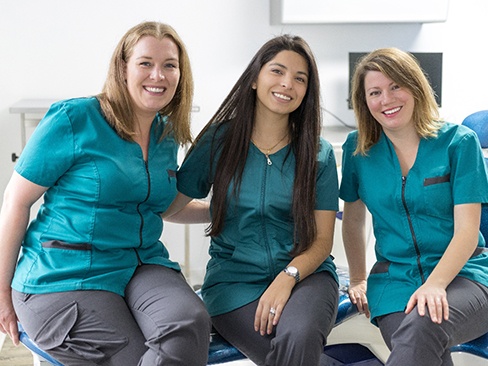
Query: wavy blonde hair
[[116, 102], [404, 69]]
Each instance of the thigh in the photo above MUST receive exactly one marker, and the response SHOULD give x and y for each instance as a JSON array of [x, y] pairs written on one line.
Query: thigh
[[311, 312], [468, 310], [312, 307], [82, 327], [388, 324], [171, 316], [160, 297], [237, 327], [468, 315]]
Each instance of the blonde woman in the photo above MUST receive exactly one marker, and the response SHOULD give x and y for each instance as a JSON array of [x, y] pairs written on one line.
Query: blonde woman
[[94, 285], [416, 175]]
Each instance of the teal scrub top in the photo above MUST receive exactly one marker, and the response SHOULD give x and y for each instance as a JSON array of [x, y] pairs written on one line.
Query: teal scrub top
[[413, 216], [101, 213], [257, 236]]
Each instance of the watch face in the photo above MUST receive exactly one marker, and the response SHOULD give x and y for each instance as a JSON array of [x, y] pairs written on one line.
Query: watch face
[[292, 270]]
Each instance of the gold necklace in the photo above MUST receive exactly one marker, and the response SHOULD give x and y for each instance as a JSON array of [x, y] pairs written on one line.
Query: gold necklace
[[268, 151]]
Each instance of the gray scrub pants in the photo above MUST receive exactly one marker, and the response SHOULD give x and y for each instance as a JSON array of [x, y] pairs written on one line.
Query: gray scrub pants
[[416, 340], [301, 334], [160, 321]]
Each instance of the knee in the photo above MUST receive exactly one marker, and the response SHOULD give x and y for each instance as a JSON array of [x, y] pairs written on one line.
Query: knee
[[196, 316], [420, 330], [202, 319], [302, 335]]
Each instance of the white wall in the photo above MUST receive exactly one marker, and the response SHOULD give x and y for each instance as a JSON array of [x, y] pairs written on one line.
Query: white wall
[[61, 49]]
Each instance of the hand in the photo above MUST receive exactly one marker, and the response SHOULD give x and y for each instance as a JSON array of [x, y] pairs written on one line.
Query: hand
[[357, 295], [435, 298], [272, 301], [8, 319]]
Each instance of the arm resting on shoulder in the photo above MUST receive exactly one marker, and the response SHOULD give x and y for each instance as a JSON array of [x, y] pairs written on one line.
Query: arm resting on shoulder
[[185, 210]]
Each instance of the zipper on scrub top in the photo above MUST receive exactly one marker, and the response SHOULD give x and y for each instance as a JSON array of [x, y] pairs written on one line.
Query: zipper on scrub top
[[141, 227], [410, 225], [263, 222]]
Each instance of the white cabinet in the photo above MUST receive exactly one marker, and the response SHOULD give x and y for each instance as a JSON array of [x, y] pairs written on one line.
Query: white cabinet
[[358, 11]]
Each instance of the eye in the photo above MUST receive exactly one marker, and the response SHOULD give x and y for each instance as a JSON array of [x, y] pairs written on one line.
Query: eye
[[171, 65], [145, 64], [301, 79], [374, 93], [395, 87], [277, 71]]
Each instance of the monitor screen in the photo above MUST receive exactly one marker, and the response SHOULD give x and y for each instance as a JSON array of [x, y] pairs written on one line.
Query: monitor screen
[[430, 62]]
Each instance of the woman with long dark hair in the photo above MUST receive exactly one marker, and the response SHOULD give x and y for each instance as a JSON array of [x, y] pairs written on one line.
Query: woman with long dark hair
[[270, 286]]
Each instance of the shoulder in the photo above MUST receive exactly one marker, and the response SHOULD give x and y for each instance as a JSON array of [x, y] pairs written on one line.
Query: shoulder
[[82, 107], [351, 140], [453, 133], [77, 103], [213, 132], [325, 154], [349, 146]]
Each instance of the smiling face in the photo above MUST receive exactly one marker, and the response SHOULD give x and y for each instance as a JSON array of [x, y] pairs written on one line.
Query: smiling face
[[281, 84], [391, 105], [152, 74]]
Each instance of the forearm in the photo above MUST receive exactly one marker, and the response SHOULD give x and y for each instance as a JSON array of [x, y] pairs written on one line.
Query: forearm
[[354, 239], [185, 210], [195, 212], [308, 261], [461, 247], [13, 223]]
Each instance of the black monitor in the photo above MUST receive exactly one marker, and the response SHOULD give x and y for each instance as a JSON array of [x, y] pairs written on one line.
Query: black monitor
[[430, 62]]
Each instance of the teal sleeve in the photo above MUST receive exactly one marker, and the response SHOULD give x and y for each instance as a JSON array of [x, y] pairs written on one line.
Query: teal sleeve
[[349, 179], [193, 178], [49, 153], [327, 196], [469, 172]]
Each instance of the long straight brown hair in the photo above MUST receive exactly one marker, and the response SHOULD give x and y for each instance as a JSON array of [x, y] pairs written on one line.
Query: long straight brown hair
[[237, 114]]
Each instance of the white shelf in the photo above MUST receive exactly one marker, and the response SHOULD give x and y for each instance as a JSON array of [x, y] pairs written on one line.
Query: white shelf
[[358, 11]]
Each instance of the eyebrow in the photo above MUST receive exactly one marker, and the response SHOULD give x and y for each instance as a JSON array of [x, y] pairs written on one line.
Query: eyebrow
[[150, 58], [286, 68]]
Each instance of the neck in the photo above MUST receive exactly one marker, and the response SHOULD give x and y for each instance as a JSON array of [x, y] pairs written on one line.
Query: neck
[[403, 139], [270, 129]]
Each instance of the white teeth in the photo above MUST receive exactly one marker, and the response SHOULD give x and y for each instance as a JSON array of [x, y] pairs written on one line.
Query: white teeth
[[391, 111], [281, 96], [154, 90]]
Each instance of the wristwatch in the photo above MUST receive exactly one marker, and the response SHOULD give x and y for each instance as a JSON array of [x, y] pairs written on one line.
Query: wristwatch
[[293, 272]]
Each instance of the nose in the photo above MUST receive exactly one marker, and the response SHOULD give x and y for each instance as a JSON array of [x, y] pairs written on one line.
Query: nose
[[287, 82], [157, 74], [387, 97]]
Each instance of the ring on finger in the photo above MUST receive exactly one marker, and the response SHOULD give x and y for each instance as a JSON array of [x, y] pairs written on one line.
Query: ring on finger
[[272, 311]]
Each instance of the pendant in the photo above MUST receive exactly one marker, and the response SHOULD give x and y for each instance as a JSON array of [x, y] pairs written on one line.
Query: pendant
[[269, 160]]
